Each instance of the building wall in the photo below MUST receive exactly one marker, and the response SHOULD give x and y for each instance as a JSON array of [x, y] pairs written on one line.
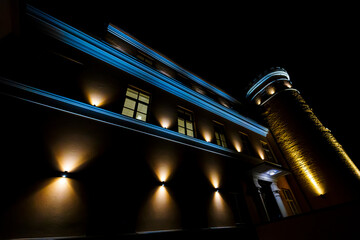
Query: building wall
[[323, 169]]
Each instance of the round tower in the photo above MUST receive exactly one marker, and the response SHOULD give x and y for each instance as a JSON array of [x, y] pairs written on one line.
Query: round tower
[[322, 168]]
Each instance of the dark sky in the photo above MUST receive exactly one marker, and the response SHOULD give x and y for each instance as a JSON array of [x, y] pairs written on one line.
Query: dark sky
[[228, 44]]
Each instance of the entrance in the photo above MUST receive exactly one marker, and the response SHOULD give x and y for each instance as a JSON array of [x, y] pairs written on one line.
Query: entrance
[[271, 205]]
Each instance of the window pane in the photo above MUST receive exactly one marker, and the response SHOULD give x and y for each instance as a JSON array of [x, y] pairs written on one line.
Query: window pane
[[129, 103], [144, 98], [190, 133], [142, 108], [141, 116], [181, 130], [181, 122], [128, 112], [189, 125], [132, 93], [217, 136]]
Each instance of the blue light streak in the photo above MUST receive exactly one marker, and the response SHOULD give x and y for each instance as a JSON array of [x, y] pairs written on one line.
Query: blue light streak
[[77, 108], [265, 78], [120, 34], [104, 52]]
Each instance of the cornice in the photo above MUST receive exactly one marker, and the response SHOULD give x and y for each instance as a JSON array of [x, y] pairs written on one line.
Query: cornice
[[106, 53]]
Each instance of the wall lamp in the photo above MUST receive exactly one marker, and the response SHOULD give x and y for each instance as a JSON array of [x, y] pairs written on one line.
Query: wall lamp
[[216, 189], [65, 174]]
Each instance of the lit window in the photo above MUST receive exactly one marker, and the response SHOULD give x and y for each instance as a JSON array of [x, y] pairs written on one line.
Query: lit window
[[136, 104], [185, 122], [220, 135], [267, 152]]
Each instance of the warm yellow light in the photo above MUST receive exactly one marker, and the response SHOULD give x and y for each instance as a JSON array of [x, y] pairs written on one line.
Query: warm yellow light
[[287, 84], [258, 101], [165, 122], [51, 205], [213, 173], [97, 92], [271, 90], [97, 99], [261, 154], [72, 151], [207, 136], [163, 161], [237, 146], [159, 212], [163, 171], [220, 214]]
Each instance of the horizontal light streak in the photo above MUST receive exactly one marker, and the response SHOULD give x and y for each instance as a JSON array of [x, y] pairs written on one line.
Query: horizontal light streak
[[120, 34], [108, 54], [266, 77], [91, 112]]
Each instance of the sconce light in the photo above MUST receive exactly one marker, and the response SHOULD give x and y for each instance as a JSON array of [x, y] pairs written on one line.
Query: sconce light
[[163, 183], [216, 189], [65, 174]]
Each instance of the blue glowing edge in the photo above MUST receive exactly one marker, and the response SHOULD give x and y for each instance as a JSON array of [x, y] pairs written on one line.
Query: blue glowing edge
[[102, 51], [265, 78], [88, 111], [122, 35]]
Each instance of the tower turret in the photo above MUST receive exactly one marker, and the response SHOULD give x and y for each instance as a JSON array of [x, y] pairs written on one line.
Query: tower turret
[[322, 168]]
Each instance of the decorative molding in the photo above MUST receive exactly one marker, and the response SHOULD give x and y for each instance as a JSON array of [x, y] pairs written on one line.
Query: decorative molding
[[104, 52], [282, 73], [125, 37], [64, 104]]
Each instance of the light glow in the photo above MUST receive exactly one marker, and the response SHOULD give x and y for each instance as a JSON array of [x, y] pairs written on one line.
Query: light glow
[[272, 172], [159, 212], [207, 136], [53, 204], [112, 56], [163, 161], [71, 149], [165, 123], [220, 214]]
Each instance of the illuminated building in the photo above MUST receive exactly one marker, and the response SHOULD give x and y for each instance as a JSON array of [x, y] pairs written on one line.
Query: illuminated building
[[106, 137]]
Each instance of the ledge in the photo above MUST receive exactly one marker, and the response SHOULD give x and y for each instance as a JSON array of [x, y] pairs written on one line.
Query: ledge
[[106, 53]]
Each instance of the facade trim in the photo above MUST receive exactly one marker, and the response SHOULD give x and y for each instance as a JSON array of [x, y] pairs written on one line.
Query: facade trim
[[64, 104], [104, 52], [122, 35]]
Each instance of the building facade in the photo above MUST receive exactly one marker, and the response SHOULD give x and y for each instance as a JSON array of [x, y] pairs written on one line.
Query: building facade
[[106, 137]]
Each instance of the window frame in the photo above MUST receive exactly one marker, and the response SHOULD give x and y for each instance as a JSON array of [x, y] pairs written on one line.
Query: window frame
[[246, 145], [291, 202], [268, 152], [183, 111], [137, 103], [219, 129]]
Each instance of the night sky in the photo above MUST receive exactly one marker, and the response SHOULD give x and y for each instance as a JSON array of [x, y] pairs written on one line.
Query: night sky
[[230, 44]]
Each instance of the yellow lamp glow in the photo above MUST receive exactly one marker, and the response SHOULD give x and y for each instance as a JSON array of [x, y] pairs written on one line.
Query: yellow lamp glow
[[207, 136], [220, 214], [71, 151], [165, 122]]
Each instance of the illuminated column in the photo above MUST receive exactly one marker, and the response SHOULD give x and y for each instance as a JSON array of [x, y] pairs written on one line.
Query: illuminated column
[[324, 171]]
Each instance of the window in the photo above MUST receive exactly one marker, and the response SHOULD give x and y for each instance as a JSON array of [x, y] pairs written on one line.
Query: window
[[145, 58], [136, 104], [185, 122], [290, 201], [267, 152], [220, 135], [246, 145]]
